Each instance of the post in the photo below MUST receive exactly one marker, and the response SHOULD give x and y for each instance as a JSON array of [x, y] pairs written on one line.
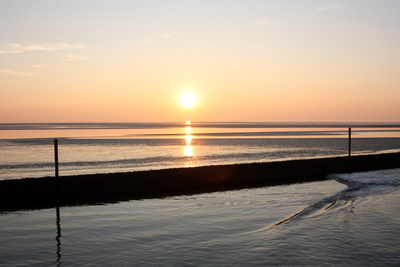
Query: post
[[58, 220], [56, 156], [349, 142], [58, 236]]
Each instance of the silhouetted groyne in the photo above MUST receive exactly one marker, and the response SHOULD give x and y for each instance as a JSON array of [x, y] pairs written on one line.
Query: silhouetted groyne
[[47, 192]]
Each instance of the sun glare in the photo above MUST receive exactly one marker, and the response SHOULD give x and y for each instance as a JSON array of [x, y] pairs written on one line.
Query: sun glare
[[188, 99]]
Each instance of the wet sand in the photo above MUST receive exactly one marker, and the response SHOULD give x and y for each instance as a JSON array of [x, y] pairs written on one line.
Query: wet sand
[[48, 192]]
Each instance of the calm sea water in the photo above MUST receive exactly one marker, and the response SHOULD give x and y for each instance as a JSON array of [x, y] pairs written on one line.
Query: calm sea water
[[27, 149], [348, 220]]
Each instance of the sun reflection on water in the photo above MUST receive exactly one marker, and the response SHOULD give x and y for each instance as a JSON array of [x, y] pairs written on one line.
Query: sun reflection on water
[[188, 149]]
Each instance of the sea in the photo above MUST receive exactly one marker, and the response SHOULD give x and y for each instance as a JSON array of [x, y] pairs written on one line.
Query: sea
[[28, 150], [346, 220]]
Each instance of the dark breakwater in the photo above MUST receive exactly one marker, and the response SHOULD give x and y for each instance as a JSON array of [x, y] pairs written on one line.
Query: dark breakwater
[[47, 192]]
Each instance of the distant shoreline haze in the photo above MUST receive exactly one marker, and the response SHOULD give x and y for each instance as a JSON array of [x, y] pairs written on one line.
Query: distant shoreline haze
[[149, 125]]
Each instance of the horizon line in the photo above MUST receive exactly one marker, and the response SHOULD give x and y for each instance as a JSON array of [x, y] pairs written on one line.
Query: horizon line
[[232, 124]]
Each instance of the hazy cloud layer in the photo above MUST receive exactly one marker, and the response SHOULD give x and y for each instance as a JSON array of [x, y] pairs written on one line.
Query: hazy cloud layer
[[262, 22], [73, 57], [330, 7], [169, 34], [144, 41], [17, 73], [16, 48]]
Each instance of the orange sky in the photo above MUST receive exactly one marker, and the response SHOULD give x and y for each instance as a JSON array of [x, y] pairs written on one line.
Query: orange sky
[[93, 61]]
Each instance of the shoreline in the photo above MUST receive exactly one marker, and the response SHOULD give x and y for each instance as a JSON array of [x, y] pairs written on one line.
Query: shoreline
[[50, 192]]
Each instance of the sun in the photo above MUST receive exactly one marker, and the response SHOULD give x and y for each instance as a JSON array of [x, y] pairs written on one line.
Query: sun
[[188, 99]]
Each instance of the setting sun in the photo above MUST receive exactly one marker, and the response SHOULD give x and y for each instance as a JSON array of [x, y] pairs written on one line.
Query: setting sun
[[188, 99]]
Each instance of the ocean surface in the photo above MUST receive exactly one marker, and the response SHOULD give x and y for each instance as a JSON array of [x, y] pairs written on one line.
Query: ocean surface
[[27, 150], [347, 220]]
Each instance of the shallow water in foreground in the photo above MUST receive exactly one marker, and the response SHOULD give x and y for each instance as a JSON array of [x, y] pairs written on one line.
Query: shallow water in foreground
[[319, 223]]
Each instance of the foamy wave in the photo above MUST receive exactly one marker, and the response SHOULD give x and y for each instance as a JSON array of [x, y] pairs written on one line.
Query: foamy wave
[[390, 177]]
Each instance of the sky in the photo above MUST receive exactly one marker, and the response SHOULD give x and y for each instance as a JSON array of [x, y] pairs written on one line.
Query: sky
[[250, 60]]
